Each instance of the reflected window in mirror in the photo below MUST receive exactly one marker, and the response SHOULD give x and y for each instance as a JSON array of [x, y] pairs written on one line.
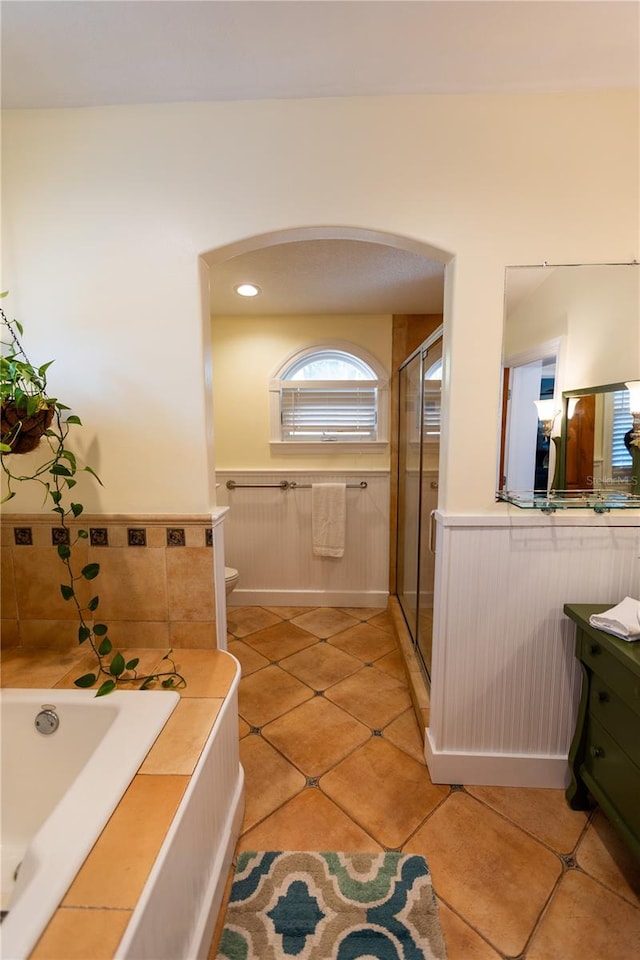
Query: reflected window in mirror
[[596, 440]]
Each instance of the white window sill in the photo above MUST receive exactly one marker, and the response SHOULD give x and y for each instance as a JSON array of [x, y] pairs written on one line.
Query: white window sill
[[324, 446]]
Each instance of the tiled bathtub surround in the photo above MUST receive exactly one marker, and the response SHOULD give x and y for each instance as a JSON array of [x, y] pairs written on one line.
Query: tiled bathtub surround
[[155, 584], [98, 905]]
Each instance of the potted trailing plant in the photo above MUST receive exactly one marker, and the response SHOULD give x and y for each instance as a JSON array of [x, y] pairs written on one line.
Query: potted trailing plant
[[32, 420]]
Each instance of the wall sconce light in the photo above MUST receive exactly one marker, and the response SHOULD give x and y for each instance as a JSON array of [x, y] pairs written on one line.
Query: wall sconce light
[[547, 413]]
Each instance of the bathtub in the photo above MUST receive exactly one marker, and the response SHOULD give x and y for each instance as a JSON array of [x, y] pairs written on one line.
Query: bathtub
[[59, 790]]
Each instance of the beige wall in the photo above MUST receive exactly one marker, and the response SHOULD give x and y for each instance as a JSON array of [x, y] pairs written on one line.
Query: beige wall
[[246, 352], [107, 210]]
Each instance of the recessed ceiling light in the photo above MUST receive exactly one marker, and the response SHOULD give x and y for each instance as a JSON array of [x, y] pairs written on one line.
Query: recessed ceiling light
[[247, 289]]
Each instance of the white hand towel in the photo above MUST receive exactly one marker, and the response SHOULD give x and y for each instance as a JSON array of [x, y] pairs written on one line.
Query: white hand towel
[[622, 621], [328, 519]]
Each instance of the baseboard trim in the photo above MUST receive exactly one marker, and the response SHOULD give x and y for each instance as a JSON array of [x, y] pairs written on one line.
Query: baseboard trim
[[495, 770], [308, 598]]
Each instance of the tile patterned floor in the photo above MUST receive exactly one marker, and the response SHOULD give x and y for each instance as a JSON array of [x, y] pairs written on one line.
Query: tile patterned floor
[[333, 761]]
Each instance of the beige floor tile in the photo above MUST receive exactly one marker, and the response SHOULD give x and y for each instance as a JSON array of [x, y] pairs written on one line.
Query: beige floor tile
[[491, 873], [384, 790], [269, 780], [309, 822], [324, 622], [361, 613], [542, 812], [316, 735], [280, 640], [461, 941], [585, 921], [603, 855], [115, 871], [250, 659], [371, 696], [243, 728], [364, 641], [268, 694], [384, 621], [77, 934], [404, 732], [242, 621], [287, 613], [321, 665], [393, 664]]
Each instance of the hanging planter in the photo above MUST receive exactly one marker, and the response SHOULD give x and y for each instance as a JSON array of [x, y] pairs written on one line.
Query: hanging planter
[[21, 430]]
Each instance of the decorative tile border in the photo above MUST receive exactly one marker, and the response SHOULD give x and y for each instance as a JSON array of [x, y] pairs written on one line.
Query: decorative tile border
[[33, 530], [59, 535]]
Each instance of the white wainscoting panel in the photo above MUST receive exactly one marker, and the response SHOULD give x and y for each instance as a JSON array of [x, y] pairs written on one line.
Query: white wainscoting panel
[[505, 681], [268, 540]]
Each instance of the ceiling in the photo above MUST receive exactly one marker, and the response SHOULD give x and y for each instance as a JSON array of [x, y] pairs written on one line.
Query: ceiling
[[72, 53], [75, 53], [328, 276]]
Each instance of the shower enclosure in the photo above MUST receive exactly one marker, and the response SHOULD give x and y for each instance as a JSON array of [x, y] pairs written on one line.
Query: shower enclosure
[[420, 387]]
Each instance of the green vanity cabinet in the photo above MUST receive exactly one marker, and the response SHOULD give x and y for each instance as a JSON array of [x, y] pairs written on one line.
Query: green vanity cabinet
[[604, 759]]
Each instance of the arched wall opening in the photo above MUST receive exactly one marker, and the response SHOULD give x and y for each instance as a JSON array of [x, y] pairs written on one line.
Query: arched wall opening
[[213, 260]]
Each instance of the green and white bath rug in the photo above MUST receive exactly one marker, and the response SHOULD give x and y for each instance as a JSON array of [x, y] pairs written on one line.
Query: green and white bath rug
[[331, 906]]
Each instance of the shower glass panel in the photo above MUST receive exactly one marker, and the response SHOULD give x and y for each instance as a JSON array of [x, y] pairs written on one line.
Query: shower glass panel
[[419, 452], [409, 489]]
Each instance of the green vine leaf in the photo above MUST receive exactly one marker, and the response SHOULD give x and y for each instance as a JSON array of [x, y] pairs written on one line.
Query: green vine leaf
[[105, 647], [116, 667], [93, 604], [66, 591], [64, 551], [91, 571], [87, 680], [76, 509], [100, 629], [168, 682], [132, 664], [83, 633], [106, 687]]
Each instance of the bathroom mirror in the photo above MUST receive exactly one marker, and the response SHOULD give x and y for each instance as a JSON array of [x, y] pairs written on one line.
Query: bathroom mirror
[[568, 330]]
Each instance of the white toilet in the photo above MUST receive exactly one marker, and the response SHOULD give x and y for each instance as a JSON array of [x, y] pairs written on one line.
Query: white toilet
[[231, 578]]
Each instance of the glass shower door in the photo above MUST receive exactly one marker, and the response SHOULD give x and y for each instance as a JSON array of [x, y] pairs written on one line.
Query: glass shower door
[[429, 466], [420, 389]]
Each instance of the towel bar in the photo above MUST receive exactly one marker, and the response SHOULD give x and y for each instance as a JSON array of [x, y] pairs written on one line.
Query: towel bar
[[289, 485]]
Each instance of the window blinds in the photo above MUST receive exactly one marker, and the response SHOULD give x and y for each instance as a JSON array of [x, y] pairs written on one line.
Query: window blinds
[[622, 421], [329, 410]]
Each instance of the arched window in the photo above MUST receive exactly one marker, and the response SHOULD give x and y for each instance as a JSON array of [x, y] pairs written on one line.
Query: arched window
[[329, 393]]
